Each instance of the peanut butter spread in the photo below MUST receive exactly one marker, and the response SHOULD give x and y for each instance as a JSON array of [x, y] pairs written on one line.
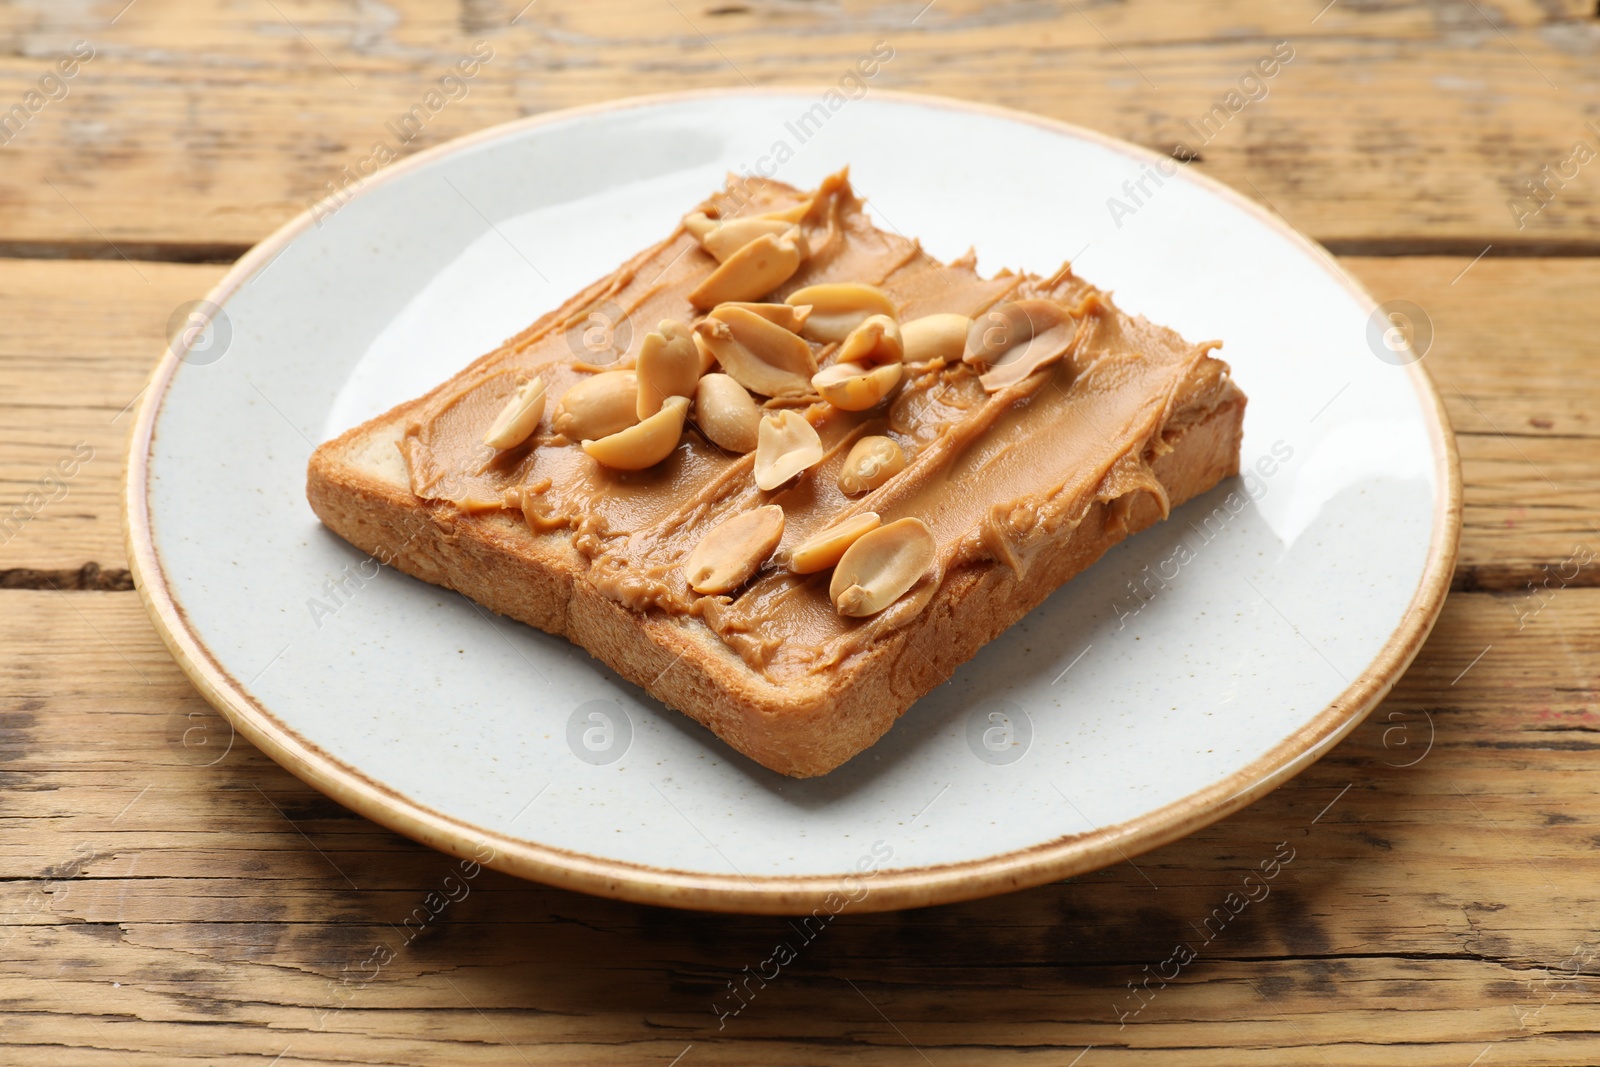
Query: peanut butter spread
[[1000, 461]]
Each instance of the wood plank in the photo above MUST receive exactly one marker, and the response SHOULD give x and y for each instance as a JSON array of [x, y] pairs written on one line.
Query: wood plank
[[160, 905], [85, 334], [79, 344], [1523, 401], [194, 131]]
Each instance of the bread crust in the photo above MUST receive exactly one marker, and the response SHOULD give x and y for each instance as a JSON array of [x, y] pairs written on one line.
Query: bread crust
[[803, 728]]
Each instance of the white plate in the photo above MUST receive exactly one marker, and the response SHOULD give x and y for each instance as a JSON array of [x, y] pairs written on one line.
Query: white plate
[[1107, 722]]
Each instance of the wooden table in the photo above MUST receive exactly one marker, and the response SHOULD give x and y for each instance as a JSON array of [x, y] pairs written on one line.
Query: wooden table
[[170, 899]]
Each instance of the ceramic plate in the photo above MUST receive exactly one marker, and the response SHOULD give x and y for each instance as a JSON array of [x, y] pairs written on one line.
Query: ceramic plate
[[1192, 669]]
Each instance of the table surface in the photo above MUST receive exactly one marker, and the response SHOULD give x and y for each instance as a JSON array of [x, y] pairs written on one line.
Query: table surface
[[170, 897]]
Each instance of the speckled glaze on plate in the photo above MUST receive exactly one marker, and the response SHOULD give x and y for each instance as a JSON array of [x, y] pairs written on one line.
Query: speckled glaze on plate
[[1194, 668]]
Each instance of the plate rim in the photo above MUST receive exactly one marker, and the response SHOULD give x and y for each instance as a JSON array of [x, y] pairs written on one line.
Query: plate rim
[[1036, 864]]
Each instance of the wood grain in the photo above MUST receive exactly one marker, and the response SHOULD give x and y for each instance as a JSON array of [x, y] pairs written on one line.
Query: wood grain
[[191, 134], [80, 342], [188, 903], [170, 896]]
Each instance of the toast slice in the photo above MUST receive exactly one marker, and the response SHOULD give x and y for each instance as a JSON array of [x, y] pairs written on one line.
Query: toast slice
[[1024, 470]]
